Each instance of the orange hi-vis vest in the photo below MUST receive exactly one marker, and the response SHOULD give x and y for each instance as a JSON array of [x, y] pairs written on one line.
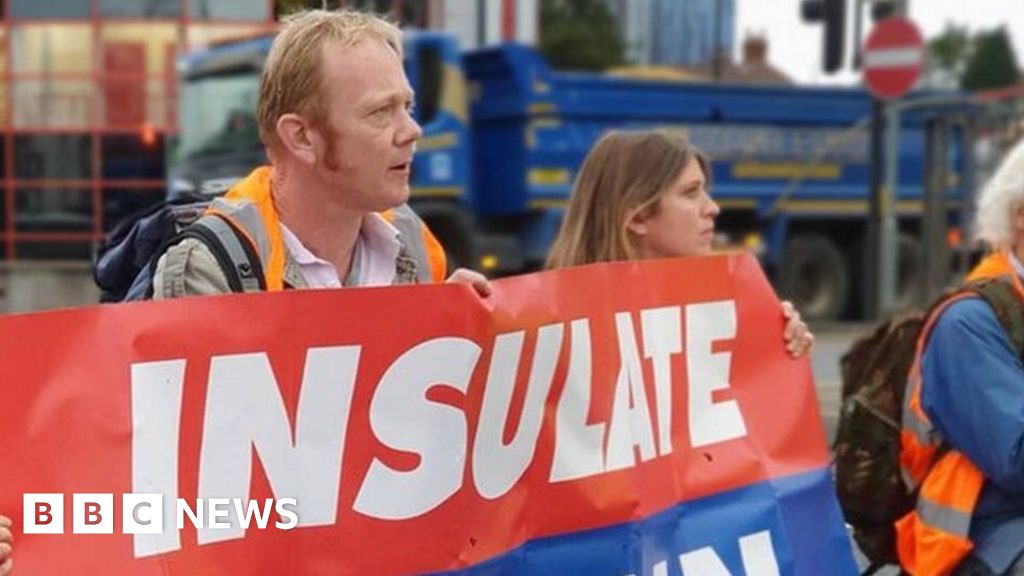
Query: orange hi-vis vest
[[992, 266], [933, 539], [248, 205]]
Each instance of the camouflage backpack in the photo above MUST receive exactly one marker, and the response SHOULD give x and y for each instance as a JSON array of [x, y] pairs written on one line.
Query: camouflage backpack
[[867, 445]]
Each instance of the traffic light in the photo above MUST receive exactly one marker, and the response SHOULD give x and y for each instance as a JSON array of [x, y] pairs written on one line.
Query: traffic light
[[882, 9], [832, 13]]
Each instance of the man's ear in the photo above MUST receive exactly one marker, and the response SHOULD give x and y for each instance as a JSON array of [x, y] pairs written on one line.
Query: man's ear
[[296, 136]]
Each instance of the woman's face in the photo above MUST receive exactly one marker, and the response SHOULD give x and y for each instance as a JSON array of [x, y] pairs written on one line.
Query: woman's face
[[683, 224]]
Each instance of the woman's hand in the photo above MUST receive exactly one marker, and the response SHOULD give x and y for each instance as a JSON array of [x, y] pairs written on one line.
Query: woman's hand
[[6, 540], [798, 337]]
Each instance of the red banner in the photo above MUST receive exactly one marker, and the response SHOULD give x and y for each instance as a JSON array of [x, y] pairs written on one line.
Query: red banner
[[413, 429]]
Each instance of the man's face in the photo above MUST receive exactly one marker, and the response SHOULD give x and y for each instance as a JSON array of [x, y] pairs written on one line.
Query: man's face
[[370, 135]]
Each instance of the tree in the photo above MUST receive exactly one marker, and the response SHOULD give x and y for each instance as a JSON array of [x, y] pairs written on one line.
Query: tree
[[950, 50], [992, 63], [285, 7], [579, 35]]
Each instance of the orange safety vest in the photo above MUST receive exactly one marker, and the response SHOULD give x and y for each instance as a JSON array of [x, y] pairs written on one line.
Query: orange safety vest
[[249, 206], [992, 266], [933, 539]]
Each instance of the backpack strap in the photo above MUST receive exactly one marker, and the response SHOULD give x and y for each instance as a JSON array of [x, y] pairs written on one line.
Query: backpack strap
[[1005, 296], [233, 251]]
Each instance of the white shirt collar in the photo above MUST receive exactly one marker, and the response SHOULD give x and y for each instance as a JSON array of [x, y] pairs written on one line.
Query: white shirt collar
[[297, 249], [1016, 263], [374, 256]]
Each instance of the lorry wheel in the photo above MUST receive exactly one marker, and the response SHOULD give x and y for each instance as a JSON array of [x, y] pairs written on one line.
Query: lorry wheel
[[813, 276], [909, 272]]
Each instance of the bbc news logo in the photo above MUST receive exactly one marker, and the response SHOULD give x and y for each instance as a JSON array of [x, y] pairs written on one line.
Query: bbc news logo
[[144, 513]]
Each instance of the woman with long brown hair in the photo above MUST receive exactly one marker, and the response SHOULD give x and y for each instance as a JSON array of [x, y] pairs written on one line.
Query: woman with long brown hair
[[645, 195]]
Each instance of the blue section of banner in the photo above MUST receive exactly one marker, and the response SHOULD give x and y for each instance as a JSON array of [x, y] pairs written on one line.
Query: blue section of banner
[[799, 514]]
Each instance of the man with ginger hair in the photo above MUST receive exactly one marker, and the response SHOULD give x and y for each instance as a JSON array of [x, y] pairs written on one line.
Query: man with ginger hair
[[335, 115]]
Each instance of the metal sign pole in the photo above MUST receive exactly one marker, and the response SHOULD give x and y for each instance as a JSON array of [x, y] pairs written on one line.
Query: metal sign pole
[[889, 228], [872, 248]]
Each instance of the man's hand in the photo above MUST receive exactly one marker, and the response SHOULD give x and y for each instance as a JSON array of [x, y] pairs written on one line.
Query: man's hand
[[798, 337], [478, 281], [6, 540]]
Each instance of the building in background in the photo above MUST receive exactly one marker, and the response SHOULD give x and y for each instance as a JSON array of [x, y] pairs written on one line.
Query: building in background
[[414, 13], [87, 105], [88, 94], [753, 68], [691, 32], [675, 32], [478, 23], [475, 23], [635, 25]]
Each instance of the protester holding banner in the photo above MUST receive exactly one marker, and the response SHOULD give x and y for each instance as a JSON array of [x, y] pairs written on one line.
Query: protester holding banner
[[643, 195], [657, 427], [334, 112], [646, 436], [963, 421]]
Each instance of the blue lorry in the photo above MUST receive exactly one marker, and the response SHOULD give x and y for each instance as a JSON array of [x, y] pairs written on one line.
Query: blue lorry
[[504, 136]]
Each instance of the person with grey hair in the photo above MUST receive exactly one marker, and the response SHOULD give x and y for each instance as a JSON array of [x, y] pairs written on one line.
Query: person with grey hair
[[963, 419], [1001, 206]]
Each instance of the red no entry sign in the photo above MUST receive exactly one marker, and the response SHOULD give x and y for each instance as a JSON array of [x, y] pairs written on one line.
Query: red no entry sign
[[893, 57]]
